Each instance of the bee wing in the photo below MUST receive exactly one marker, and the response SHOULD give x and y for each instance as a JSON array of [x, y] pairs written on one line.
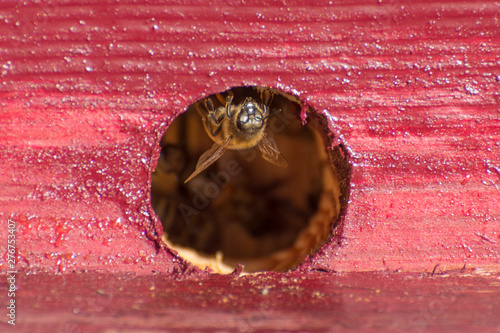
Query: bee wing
[[270, 152], [209, 157]]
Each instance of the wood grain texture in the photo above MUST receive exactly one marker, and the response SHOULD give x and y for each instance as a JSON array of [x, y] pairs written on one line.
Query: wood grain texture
[[411, 87], [317, 302]]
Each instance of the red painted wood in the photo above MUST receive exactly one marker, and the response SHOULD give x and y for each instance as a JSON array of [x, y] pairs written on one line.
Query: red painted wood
[[412, 88], [317, 302], [87, 88]]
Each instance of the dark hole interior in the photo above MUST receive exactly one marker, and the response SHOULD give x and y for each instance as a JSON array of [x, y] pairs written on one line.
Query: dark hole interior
[[243, 208]]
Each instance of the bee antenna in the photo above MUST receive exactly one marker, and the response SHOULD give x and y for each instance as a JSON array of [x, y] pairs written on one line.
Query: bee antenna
[[269, 98]]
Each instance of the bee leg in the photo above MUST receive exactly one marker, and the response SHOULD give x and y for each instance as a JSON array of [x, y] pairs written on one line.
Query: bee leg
[[267, 98], [211, 111], [229, 100], [209, 105], [210, 124], [217, 131]]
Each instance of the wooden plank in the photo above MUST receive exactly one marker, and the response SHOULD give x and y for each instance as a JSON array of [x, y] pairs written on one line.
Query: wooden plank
[[88, 89], [317, 302]]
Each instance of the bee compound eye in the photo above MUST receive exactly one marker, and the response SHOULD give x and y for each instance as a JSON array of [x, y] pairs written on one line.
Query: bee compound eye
[[231, 213], [243, 118], [245, 123]]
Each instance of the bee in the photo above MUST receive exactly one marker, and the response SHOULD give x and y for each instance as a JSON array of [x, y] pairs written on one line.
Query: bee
[[237, 127]]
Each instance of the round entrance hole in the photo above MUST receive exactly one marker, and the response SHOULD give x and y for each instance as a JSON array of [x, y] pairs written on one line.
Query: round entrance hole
[[269, 189]]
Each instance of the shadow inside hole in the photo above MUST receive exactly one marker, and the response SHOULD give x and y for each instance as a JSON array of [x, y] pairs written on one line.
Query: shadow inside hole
[[243, 207]]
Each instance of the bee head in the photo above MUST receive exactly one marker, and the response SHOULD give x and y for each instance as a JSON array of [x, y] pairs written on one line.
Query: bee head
[[252, 116]]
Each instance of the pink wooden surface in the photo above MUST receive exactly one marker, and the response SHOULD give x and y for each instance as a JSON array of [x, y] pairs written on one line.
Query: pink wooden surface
[[317, 302], [412, 87]]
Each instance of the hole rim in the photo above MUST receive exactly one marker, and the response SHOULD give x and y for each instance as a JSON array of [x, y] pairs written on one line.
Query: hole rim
[[340, 163]]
